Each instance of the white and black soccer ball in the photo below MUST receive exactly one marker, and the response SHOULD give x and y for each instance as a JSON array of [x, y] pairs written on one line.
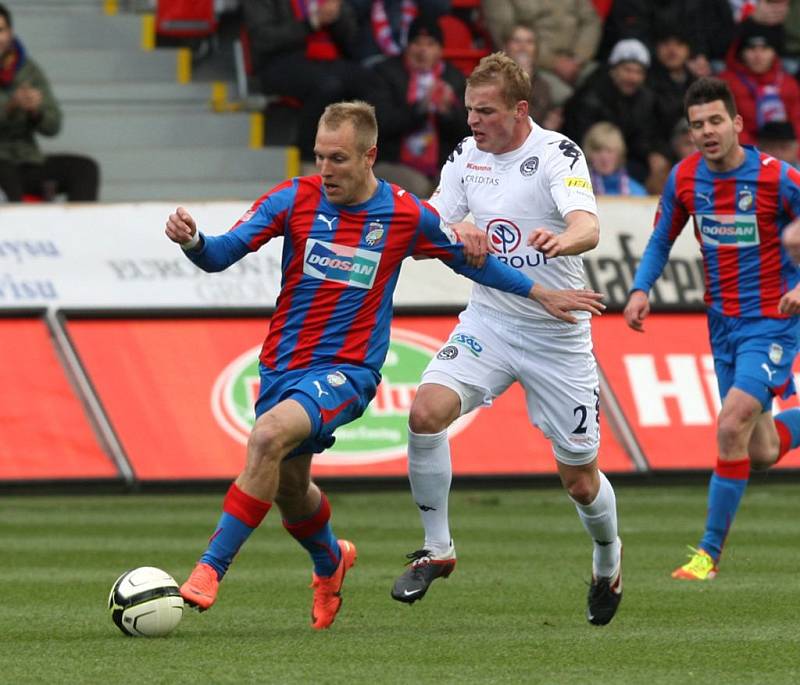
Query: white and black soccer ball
[[146, 602]]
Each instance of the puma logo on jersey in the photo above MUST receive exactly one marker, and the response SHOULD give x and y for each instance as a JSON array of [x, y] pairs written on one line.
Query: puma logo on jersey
[[770, 372], [328, 222]]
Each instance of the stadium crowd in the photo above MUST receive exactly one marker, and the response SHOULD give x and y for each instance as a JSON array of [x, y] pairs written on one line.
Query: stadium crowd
[[625, 64]]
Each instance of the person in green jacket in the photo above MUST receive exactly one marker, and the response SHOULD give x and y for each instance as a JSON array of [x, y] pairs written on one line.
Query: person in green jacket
[[27, 107]]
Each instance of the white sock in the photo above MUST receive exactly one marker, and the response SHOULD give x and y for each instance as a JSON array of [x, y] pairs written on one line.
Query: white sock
[[430, 473], [600, 520]]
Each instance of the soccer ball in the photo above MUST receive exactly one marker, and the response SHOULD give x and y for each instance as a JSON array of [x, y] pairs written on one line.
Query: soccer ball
[[146, 602]]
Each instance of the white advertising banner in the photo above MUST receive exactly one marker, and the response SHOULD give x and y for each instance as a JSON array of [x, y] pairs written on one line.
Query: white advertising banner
[[117, 256]]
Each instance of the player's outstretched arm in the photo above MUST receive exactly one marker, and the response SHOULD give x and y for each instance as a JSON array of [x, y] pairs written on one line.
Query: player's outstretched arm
[[210, 253], [560, 303], [636, 310]]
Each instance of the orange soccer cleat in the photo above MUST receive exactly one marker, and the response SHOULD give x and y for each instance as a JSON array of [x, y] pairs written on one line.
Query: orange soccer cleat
[[200, 590], [328, 591]]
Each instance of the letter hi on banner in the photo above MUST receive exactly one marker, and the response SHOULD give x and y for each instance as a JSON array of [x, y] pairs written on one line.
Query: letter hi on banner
[[179, 394], [665, 383]]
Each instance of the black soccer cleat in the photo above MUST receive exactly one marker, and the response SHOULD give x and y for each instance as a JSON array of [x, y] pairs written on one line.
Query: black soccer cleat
[[605, 594], [424, 568]]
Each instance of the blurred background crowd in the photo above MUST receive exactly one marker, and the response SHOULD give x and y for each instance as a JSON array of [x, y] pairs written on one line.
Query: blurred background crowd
[[610, 74]]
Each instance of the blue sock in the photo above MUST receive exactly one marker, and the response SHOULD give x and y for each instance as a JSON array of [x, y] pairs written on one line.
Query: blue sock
[[788, 425], [229, 536], [725, 491], [315, 534], [241, 515]]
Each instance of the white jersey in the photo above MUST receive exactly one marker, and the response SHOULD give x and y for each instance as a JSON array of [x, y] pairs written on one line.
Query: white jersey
[[511, 194]]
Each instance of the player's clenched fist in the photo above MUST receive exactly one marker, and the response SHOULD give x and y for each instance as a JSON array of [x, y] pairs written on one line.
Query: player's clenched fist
[[181, 228]]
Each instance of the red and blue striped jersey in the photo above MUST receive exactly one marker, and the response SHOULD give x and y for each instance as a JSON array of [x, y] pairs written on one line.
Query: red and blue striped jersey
[[738, 217], [340, 266]]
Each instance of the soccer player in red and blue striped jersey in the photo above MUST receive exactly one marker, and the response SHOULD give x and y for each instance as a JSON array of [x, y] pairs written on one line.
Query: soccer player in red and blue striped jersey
[[740, 201], [345, 234]]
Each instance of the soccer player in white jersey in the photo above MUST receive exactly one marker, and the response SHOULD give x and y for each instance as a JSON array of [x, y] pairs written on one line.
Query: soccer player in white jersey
[[528, 190]]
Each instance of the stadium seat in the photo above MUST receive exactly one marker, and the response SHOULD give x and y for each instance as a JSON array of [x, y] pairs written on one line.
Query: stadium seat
[[603, 7], [458, 46], [186, 18]]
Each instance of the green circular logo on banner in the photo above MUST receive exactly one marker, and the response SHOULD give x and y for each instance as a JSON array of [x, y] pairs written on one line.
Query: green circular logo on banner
[[379, 435]]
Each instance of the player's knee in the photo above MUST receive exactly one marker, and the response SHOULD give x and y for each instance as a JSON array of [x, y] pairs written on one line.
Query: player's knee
[[428, 416], [730, 431], [266, 442], [582, 490]]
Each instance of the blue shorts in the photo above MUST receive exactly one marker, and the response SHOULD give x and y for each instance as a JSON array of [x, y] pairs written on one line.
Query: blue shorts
[[754, 355], [331, 395]]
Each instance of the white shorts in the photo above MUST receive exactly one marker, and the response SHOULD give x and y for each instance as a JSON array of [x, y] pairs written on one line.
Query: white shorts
[[487, 351]]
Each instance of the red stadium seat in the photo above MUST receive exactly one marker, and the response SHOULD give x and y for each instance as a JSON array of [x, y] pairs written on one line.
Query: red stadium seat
[[603, 7], [185, 18], [458, 46]]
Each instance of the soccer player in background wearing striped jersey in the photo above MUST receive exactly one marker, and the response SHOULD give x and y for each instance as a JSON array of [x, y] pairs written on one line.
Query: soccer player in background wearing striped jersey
[[345, 235], [740, 201]]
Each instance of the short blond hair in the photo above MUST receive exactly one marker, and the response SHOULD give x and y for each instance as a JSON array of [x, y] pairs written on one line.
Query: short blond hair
[[360, 114], [499, 69], [604, 135]]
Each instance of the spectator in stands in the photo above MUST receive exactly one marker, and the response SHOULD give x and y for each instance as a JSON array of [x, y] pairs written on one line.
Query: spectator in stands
[[28, 108], [778, 138], [669, 78], [305, 50], [522, 46], [681, 145], [568, 31], [763, 91], [384, 25], [791, 44], [605, 154], [619, 95], [709, 25], [420, 106]]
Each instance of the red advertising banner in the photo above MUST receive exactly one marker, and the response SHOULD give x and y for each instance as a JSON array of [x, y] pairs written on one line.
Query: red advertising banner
[[45, 431], [179, 394], [665, 382]]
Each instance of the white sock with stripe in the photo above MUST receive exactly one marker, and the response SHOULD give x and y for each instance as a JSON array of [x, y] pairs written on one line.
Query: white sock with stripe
[[599, 518], [430, 474]]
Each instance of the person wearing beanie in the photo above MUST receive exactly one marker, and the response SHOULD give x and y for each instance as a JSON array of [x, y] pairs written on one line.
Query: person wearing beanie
[[419, 102], [670, 77], [763, 91], [620, 96]]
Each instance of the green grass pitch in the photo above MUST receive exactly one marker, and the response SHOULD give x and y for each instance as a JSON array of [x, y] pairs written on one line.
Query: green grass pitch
[[513, 611]]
